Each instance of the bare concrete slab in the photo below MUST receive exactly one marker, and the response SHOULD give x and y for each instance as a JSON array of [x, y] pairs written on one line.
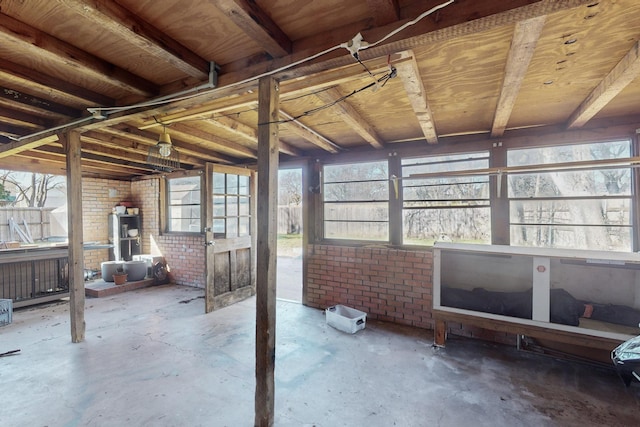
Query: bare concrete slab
[[153, 358]]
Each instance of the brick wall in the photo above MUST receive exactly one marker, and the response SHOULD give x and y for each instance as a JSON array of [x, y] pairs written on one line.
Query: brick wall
[[185, 254], [388, 284], [99, 196]]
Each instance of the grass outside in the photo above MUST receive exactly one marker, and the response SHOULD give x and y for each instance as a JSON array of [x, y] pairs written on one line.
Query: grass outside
[[289, 245]]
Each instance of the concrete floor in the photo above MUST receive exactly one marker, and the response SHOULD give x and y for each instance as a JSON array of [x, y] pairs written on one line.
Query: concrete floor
[[153, 358]]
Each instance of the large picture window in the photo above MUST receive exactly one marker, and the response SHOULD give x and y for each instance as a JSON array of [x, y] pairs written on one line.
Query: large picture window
[[445, 199], [586, 205], [356, 201], [184, 204]]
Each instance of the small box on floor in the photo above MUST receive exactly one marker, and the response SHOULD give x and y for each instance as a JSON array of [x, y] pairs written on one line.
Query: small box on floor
[[346, 319], [6, 311]]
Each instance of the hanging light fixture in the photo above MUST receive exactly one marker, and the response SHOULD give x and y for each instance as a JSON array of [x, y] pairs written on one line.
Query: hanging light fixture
[[163, 156]]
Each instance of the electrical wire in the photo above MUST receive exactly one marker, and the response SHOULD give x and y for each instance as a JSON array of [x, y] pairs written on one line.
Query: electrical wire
[[283, 68]]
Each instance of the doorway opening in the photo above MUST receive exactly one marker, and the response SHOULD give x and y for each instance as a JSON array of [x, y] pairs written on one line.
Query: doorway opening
[[289, 286]]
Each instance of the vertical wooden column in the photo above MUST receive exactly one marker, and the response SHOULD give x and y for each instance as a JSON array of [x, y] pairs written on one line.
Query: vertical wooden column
[[268, 101], [71, 142]]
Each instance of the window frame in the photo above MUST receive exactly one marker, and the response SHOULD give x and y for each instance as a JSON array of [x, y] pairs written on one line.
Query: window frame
[[166, 204]]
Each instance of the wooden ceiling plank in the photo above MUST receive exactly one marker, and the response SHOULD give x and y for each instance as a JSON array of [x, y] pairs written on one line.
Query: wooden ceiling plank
[[523, 46], [384, 11], [259, 26], [307, 133], [114, 18], [627, 70], [20, 36], [250, 134], [409, 73], [351, 116], [50, 85]]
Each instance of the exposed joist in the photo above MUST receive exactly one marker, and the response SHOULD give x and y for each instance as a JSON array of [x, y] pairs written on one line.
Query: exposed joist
[[307, 133], [249, 134], [257, 25], [207, 139], [14, 147], [409, 73], [618, 78], [21, 118], [150, 138], [40, 82], [119, 147], [38, 103], [351, 116], [384, 11], [523, 46], [112, 17], [20, 36]]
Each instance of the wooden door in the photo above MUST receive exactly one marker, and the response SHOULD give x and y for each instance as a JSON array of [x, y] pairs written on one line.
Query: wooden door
[[230, 229]]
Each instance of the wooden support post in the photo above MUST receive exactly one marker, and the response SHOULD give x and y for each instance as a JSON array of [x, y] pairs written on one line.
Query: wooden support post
[[71, 143], [268, 101], [440, 333]]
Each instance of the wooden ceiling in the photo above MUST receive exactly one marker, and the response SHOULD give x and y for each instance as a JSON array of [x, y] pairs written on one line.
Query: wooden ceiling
[[473, 67]]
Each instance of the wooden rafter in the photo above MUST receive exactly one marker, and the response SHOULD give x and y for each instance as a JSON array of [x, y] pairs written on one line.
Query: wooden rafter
[[149, 138], [206, 139], [618, 78], [523, 46], [384, 11], [43, 83], [257, 25], [20, 36], [409, 73], [38, 103], [24, 119], [112, 17], [249, 134], [351, 116], [307, 133]]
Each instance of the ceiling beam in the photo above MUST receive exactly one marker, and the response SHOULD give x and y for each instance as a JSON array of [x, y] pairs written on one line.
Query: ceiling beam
[[149, 138], [523, 46], [250, 134], [38, 103], [15, 147], [409, 74], [618, 78], [350, 115], [256, 24], [112, 17], [128, 146], [24, 119], [52, 86], [20, 36], [207, 140], [384, 11], [307, 133]]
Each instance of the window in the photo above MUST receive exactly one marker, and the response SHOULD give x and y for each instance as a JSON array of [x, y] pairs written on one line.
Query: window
[[231, 205], [584, 207], [443, 199], [184, 204], [356, 201]]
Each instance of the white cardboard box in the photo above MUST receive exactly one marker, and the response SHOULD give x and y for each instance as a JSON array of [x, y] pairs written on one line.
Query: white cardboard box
[[346, 319]]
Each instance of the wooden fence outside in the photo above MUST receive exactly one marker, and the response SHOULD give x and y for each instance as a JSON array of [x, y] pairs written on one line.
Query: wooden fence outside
[[32, 221]]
